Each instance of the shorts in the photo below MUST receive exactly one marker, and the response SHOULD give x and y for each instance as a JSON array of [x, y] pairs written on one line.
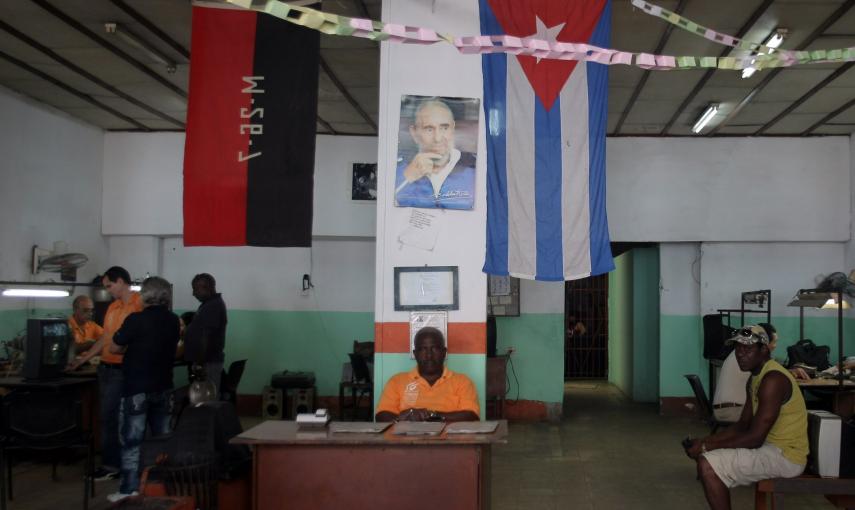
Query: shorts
[[744, 466]]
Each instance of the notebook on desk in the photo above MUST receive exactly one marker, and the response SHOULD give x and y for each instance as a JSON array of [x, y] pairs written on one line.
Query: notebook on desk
[[358, 427], [418, 428], [472, 427]]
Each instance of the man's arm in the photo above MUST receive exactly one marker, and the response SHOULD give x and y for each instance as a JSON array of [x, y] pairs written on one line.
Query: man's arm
[[775, 389], [124, 336], [91, 353]]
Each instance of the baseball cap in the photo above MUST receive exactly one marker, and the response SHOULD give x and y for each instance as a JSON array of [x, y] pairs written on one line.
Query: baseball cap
[[750, 335]]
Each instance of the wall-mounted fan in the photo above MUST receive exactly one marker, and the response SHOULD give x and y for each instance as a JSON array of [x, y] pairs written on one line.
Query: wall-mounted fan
[[66, 264]]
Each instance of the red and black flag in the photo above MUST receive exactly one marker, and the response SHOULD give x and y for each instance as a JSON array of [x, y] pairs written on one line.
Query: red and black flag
[[250, 148]]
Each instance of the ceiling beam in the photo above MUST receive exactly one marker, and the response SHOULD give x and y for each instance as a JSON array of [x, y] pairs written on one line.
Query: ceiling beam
[[73, 91], [327, 126], [644, 77], [154, 29], [828, 117], [809, 94], [758, 12], [82, 72], [346, 93], [832, 19], [68, 20], [363, 9]]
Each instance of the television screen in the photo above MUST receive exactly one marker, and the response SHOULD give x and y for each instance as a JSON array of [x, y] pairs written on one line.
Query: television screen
[[46, 349], [55, 338]]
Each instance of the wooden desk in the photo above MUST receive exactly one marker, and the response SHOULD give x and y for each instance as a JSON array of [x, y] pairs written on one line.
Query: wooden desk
[[842, 398], [839, 491], [298, 470]]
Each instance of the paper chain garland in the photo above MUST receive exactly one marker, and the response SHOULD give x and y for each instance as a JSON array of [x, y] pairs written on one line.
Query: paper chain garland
[[333, 24]]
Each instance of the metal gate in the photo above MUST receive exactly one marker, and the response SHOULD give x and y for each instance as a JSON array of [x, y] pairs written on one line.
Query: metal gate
[[586, 328]]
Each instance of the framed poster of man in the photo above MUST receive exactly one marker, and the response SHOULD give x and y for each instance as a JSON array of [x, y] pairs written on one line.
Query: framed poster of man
[[437, 147]]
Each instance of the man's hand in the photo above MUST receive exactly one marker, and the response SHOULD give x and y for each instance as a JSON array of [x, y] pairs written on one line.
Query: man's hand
[[414, 415], [799, 373], [694, 451], [421, 165], [74, 365]]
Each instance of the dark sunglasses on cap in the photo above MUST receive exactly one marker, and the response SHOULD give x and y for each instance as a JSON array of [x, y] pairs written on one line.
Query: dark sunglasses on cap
[[749, 333]]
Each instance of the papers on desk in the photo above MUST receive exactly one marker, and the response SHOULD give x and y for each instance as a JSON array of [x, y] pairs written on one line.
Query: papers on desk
[[358, 427], [472, 427], [418, 428]]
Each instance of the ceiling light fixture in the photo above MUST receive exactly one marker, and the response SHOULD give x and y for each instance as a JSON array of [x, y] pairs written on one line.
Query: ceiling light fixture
[[705, 117], [141, 44], [773, 41], [24, 292]]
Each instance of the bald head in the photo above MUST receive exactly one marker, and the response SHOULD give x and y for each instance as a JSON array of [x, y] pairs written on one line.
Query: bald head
[[82, 309]]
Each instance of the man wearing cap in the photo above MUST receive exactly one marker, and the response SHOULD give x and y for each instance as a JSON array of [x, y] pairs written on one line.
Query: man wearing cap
[[770, 438], [729, 397]]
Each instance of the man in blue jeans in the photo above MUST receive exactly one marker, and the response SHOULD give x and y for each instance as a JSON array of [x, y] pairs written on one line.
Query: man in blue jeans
[[148, 340]]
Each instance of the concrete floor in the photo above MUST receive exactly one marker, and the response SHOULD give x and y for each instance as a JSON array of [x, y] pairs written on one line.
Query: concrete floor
[[607, 453]]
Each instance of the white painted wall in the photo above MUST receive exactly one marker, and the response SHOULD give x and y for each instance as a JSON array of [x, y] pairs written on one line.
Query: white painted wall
[[143, 184], [410, 69], [140, 255], [51, 191], [149, 166], [680, 275], [252, 278], [728, 269], [728, 189], [541, 297]]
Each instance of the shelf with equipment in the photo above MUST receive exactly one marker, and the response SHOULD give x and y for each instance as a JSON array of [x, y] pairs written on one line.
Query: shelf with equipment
[[825, 300]]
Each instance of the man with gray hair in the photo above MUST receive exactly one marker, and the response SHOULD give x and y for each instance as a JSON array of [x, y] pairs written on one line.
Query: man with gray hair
[[148, 340]]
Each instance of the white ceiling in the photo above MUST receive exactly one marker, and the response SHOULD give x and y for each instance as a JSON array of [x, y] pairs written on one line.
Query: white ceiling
[[42, 40]]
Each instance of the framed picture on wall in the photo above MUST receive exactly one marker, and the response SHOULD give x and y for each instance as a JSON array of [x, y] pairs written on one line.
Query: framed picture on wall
[[363, 182], [426, 288], [503, 296], [437, 149]]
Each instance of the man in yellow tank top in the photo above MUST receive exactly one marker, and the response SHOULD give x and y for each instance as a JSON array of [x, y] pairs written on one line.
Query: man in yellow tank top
[[770, 438]]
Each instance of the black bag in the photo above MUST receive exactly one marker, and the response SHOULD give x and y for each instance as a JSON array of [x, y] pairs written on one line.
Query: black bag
[[808, 353]]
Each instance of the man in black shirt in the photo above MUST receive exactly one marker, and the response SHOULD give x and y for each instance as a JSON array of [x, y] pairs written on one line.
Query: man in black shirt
[[205, 337], [148, 340]]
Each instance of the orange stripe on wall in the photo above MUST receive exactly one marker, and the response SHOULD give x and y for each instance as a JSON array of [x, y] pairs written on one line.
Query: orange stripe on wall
[[463, 337]]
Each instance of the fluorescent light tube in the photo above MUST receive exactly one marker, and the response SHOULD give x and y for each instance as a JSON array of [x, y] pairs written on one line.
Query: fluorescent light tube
[[705, 118], [136, 287], [35, 293], [773, 41]]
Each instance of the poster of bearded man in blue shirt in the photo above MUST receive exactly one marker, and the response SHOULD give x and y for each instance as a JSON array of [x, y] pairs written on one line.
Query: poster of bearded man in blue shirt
[[438, 175]]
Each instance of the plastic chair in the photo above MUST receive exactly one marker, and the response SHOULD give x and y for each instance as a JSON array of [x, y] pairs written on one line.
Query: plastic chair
[[229, 383], [43, 421], [705, 408]]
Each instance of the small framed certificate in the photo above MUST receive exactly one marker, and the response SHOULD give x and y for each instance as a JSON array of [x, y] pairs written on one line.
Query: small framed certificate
[[426, 288]]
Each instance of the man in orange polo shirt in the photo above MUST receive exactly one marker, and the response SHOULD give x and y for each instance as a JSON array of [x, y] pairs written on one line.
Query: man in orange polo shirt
[[86, 332], [117, 281], [429, 392]]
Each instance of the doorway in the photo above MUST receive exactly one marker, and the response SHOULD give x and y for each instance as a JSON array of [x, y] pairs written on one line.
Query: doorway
[[586, 328]]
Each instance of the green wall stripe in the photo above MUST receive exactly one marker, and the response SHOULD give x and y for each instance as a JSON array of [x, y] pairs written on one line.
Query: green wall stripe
[[538, 358]]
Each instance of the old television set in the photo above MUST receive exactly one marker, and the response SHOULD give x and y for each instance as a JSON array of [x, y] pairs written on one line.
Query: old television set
[[46, 348]]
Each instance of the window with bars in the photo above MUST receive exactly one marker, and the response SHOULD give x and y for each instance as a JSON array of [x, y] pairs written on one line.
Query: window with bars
[[586, 328]]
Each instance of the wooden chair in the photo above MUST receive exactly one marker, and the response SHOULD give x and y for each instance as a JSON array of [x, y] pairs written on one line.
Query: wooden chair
[[705, 408]]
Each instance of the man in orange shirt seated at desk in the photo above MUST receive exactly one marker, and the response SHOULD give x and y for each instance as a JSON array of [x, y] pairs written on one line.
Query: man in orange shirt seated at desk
[[429, 392], [84, 329]]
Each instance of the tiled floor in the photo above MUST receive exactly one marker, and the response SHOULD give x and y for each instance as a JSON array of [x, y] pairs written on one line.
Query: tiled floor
[[607, 453]]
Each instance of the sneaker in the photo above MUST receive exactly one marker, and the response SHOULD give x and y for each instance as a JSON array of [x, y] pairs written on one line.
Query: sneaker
[[118, 496], [103, 474]]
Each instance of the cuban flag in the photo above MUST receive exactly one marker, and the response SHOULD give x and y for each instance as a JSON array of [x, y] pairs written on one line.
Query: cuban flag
[[546, 143]]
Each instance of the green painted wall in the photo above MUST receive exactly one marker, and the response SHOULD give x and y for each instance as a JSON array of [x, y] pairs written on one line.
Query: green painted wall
[[538, 358], [621, 323], [645, 324], [681, 341], [11, 323], [473, 365], [273, 341]]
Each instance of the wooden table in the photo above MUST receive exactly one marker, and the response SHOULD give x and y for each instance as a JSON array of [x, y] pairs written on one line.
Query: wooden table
[[309, 470], [842, 397]]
